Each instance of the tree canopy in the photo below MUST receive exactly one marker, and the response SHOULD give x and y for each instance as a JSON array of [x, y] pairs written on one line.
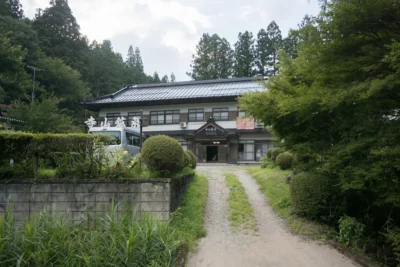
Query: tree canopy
[[336, 106]]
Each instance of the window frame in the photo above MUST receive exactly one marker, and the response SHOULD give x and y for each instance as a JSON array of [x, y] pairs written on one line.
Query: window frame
[[164, 113], [128, 139], [130, 116], [112, 119], [172, 112], [220, 110], [196, 111]]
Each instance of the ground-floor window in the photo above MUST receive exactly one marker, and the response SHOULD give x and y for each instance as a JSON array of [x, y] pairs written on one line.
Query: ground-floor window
[[246, 150], [185, 144], [250, 150]]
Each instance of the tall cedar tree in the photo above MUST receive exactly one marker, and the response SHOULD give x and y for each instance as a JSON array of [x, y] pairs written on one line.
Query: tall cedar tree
[[156, 78], [12, 8], [213, 59], [337, 108], [275, 38], [60, 35], [172, 78], [107, 71], [165, 79], [244, 55]]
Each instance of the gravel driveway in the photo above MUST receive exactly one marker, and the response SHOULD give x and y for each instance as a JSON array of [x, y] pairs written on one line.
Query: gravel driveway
[[271, 245]]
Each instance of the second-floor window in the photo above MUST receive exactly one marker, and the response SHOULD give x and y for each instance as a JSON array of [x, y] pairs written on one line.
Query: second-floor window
[[196, 114], [112, 117], [132, 115], [164, 117], [220, 114]]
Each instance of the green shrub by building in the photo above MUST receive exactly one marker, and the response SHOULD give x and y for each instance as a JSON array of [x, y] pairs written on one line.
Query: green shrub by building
[[313, 196], [187, 158], [275, 152], [193, 158], [284, 160], [163, 154]]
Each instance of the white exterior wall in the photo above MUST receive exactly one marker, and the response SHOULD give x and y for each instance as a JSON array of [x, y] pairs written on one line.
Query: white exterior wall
[[182, 107], [232, 106]]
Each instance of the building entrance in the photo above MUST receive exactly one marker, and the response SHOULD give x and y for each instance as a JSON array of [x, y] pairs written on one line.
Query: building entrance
[[212, 153]]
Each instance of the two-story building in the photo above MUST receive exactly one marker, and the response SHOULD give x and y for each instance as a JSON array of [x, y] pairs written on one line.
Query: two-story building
[[203, 116]]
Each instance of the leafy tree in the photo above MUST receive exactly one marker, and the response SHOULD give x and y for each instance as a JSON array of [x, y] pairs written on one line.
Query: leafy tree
[[336, 105], [21, 33], [65, 83], [60, 35], [213, 58], [165, 79], [42, 117], [295, 37], [172, 78], [244, 55], [12, 8], [14, 81]]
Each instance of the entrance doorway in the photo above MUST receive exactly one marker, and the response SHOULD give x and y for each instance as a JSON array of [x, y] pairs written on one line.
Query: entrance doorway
[[212, 153]]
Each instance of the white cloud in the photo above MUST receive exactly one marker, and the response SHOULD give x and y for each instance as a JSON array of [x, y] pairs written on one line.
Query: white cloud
[[179, 40], [103, 19]]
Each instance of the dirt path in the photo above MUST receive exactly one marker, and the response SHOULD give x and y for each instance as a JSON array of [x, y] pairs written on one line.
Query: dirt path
[[271, 245]]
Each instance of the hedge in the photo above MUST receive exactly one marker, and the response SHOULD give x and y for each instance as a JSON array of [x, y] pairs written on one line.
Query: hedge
[[66, 152], [193, 158], [314, 196]]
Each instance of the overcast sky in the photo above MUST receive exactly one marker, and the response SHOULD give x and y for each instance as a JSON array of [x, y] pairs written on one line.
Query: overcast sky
[[167, 31]]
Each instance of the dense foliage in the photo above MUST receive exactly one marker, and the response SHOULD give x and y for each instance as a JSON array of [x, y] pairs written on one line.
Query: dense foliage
[[66, 64], [164, 154], [336, 107], [215, 58], [314, 196], [76, 156]]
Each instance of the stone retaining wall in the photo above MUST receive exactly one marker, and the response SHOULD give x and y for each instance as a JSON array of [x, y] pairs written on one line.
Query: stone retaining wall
[[80, 200]]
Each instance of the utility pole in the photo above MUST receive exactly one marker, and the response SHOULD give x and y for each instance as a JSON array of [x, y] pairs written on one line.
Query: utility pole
[[33, 80]]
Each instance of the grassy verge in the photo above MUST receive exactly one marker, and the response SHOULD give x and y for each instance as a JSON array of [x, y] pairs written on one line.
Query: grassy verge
[[241, 214], [273, 185], [188, 219]]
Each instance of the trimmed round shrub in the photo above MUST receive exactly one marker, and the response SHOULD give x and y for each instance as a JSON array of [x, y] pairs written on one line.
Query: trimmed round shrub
[[187, 158], [193, 160], [269, 152], [284, 160], [163, 153], [314, 196], [275, 152]]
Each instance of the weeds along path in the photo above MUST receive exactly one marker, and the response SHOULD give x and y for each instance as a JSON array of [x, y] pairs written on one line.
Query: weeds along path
[[271, 244]]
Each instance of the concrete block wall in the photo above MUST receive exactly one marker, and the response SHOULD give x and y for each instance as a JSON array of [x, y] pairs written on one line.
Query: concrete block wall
[[82, 200]]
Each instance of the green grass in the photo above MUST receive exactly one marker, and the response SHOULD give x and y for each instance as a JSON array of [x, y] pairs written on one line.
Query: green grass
[[241, 214], [189, 217], [47, 240], [273, 184]]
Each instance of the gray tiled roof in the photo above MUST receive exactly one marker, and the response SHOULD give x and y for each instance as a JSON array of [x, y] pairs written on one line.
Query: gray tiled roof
[[182, 90]]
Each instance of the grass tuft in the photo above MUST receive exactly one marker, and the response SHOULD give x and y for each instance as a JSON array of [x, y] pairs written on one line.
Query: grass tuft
[[189, 217], [241, 214], [273, 184]]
